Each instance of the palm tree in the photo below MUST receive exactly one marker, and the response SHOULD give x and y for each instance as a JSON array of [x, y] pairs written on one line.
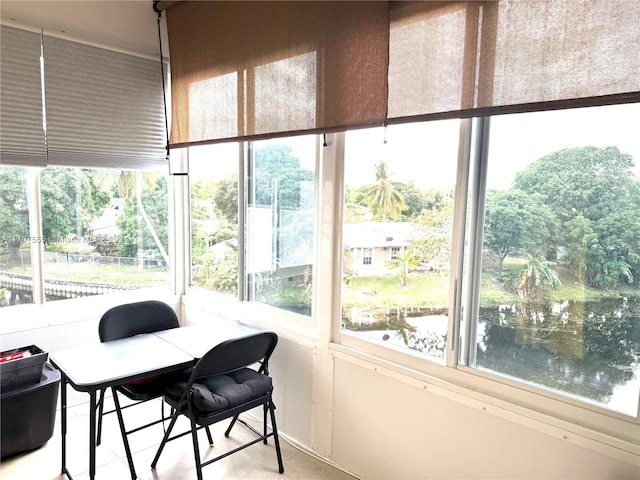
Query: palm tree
[[405, 261], [382, 197], [536, 273], [130, 185]]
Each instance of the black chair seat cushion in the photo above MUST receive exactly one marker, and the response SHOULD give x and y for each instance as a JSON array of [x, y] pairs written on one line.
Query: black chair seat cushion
[[219, 392]]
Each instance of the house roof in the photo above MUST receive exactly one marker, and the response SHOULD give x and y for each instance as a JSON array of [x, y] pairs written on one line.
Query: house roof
[[377, 234]]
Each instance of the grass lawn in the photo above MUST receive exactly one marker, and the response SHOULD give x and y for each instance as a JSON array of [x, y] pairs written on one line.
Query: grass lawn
[[104, 274], [432, 290], [424, 290]]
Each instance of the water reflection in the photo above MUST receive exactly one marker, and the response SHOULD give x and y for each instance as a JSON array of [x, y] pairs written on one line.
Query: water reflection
[[581, 348], [587, 349], [420, 329]]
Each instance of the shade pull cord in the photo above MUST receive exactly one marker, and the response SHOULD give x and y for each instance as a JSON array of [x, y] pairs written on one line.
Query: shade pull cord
[[324, 140], [164, 90]]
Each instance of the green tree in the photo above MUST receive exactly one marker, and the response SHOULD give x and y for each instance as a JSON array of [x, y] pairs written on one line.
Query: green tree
[[432, 240], [354, 209], [383, 197], [278, 171], [71, 200], [515, 221], [404, 262], [14, 209], [596, 198], [578, 238], [287, 189], [143, 225], [225, 198], [203, 204], [590, 181], [536, 274], [415, 199], [131, 186]]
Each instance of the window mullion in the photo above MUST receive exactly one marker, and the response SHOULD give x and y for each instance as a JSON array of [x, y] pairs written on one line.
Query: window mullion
[[457, 248], [477, 194], [35, 231], [245, 169]]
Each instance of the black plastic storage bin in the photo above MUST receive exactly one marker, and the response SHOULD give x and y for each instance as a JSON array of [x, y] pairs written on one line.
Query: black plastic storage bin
[[21, 367], [28, 407]]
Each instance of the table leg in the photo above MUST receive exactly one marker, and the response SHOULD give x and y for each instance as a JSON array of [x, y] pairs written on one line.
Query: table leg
[[63, 421], [92, 435]]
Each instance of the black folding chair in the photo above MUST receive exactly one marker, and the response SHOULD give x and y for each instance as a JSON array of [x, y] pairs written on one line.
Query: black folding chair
[[223, 385], [125, 321]]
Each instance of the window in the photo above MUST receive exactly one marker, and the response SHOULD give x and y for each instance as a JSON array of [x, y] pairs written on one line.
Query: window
[[558, 303], [269, 259], [16, 282], [367, 255], [398, 215], [549, 261], [103, 231], [93, 230], [279, 245], [213, 176]]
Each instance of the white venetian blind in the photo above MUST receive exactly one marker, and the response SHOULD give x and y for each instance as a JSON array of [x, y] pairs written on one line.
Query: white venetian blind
[[103, 108], [22, 140]]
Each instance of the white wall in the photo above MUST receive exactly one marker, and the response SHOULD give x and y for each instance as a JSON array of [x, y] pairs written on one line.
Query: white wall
[[388, 429]]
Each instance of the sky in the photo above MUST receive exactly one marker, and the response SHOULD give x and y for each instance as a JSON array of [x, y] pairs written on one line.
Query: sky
[[427, 153]]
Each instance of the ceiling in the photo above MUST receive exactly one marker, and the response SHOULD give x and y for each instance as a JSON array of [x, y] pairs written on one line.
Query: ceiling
[[129, 25]]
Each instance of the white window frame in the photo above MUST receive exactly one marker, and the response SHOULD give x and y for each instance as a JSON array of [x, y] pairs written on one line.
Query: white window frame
[[255, 313], [574, 419], [37, 249]]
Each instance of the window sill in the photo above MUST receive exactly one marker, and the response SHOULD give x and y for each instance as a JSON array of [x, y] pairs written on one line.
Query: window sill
[[297, 328]]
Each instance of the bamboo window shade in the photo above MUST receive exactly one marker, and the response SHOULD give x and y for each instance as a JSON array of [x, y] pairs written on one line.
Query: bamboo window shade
[[260, 69]]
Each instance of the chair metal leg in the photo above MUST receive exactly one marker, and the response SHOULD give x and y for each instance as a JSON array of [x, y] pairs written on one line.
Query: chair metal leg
[[196, 447], [275, 435], [209, 437], [100, 410], [264, 422], [123, 431], [164, 440], [233, 422]]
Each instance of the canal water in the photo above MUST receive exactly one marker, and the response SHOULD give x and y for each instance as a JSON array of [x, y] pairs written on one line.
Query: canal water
[[589, 350]]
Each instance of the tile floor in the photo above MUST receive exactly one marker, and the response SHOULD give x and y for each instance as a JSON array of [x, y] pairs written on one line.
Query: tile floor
[[257, 462]]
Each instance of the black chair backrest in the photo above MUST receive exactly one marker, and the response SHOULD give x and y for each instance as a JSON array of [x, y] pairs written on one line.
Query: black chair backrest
[[235, 354], [132, 319]]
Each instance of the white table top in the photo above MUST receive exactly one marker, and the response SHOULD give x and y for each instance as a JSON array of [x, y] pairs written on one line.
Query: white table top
[[196, 340], [116, 362]]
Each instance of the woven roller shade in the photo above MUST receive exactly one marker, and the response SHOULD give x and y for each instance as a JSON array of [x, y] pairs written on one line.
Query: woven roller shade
[[258, 69], [493, 57]]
